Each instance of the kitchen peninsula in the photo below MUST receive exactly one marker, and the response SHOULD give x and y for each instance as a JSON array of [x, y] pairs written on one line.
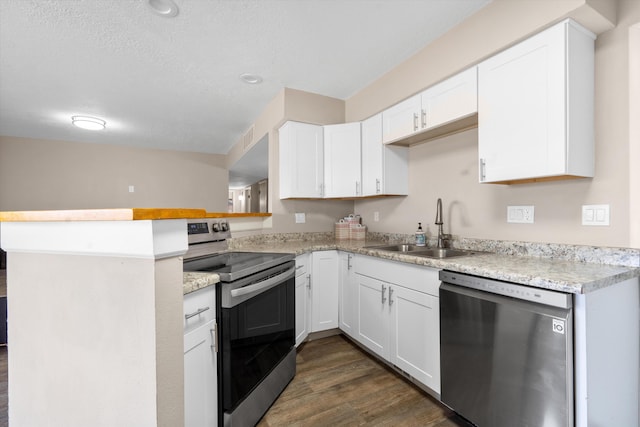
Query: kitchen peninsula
[[96, 310]]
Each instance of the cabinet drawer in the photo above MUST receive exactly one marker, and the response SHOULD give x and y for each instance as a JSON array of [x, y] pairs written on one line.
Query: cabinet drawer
[[200, 306], [302, 264], [418, 278]]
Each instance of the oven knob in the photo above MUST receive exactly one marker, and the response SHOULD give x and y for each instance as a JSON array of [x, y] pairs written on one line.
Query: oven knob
[[224, 226], [215, 227]]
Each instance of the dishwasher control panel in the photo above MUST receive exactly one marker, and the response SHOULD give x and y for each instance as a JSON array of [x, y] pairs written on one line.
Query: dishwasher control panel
[[514, 290]]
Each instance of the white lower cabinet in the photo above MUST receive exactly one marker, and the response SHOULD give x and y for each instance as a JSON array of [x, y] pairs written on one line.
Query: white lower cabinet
[[200, 371], [414, 333], [324, 290], [398, 316], [348, 294], [303, 295]]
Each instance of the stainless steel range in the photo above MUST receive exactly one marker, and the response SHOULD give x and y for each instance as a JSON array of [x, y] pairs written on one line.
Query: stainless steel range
[[255, 304]]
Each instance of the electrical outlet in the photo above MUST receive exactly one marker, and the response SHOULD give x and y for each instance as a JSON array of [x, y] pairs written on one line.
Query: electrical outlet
[[300, 218], [376, 216], [132, 189], [520, 214], [595, 215]]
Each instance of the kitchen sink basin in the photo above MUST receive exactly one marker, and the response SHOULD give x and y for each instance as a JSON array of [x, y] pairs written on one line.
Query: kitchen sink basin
[[443, 253], [423, 251], [399, 248]]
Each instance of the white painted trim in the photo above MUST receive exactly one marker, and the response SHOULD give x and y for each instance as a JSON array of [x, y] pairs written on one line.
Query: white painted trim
[[151, 239]]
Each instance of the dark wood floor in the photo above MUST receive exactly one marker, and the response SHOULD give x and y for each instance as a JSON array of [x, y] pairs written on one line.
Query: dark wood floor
[[337, 384]]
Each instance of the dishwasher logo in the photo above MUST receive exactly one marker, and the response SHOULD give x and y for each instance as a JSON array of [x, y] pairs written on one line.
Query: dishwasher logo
[[558, 326]]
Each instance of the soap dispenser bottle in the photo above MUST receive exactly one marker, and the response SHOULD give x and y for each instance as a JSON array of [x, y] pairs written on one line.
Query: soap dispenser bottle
[[421, 239]]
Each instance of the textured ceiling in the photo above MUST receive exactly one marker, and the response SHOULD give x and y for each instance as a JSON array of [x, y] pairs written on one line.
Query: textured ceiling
[[174, 83]]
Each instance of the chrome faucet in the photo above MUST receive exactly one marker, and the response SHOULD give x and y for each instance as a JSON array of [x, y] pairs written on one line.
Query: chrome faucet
[[441, 235]]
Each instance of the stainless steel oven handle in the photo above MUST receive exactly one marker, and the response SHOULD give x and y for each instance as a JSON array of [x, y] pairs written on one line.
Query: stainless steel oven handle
[[264, 285]]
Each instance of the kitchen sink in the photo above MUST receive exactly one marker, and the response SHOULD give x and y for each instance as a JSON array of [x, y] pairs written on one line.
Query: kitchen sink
[[423, 251], [399, 248], [443, 253]]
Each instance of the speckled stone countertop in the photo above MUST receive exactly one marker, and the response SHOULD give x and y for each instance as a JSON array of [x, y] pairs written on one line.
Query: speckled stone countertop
[[556, 267], [192, 281]]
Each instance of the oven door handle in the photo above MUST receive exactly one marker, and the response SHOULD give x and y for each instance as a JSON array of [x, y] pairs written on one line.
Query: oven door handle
[[264, 285]]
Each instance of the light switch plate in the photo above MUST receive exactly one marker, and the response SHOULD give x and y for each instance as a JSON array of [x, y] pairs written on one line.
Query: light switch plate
[[520, 214], [300, 218], [595, 215]]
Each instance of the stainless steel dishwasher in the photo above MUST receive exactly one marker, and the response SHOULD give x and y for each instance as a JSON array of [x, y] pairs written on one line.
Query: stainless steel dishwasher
[[506, 352]]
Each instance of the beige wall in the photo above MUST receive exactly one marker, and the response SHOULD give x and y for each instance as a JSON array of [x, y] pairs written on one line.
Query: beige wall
[[45, 174], [447, 167], [291, 104], [634, 134], [320, 215]]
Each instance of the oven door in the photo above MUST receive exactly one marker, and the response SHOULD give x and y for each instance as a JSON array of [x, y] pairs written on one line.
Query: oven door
[[257, 330]]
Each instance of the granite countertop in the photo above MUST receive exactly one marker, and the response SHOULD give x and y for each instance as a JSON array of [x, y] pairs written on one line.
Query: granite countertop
[[192, 281], [542, 272]]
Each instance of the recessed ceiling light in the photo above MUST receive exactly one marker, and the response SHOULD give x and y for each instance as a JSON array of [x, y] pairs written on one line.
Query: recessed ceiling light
[[89, 123], [166, 8], [252, 79]]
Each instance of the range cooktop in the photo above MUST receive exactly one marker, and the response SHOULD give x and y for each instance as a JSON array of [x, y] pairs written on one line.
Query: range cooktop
[[231, 266]]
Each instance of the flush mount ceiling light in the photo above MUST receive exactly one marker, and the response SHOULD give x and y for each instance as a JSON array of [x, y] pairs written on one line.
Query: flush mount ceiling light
[[89, 123], [166, 8], [252, 79]]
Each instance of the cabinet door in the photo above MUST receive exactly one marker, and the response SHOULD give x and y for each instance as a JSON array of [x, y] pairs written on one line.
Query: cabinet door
[[385, 168], [453, 99], [373, 315], [303, 306], [401, 120], [415, 335], [301, 154], [348, 298], [372, 156], [324, 291], [342, 177], [200, 378], [524, 122]]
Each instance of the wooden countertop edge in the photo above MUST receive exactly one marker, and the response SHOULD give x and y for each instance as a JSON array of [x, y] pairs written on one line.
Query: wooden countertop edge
[[236, 215], [124, 214]]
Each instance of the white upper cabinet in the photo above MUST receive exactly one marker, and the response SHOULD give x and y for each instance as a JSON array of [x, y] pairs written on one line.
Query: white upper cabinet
[[402, 120], [385, 169], [301, 160], [342, 173], [444, 108], [450, 100], [535, 108]]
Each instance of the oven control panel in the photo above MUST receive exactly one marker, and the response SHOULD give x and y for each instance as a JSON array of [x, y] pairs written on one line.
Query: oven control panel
[[208, 230]]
